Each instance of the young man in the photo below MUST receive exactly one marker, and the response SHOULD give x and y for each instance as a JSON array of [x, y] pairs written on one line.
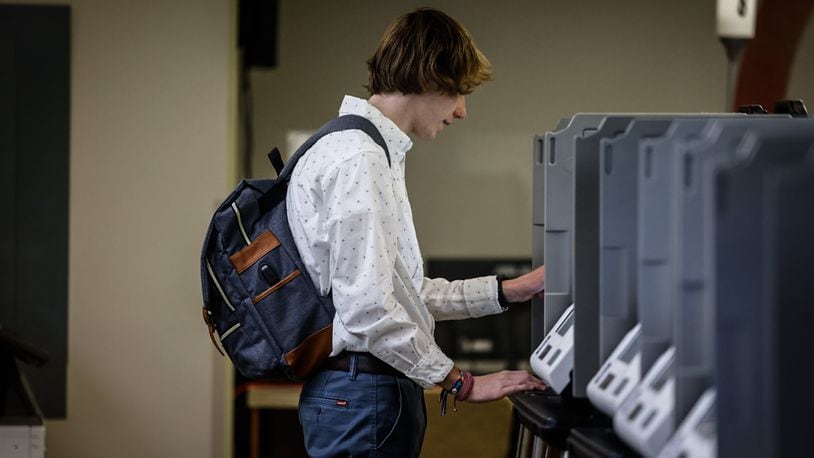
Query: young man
[[352, 223]]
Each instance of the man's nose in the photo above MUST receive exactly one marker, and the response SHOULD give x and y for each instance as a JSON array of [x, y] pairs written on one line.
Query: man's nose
[[460, 108]]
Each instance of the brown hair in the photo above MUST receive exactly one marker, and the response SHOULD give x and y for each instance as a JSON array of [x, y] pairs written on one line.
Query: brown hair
[[427, 51]]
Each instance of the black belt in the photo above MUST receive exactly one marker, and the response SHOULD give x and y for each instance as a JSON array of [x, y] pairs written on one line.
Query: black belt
[[365, 362]]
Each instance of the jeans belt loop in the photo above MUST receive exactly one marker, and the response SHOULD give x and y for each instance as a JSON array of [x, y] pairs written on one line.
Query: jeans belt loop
[[354, 361]]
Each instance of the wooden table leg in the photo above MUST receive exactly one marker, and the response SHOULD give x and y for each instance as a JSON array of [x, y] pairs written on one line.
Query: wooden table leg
[[254, 434]]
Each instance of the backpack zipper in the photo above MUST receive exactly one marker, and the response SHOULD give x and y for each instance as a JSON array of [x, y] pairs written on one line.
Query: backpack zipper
[[240, 223], [217, 285], [229, 331]]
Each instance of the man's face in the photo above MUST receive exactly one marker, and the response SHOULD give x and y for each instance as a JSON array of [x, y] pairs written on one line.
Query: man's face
[[434, 111]]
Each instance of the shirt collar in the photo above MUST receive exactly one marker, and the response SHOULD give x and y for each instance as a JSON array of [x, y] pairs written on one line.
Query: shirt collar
[[398, 143]]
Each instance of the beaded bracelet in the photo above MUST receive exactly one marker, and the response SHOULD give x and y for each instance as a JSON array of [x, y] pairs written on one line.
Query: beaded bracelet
[[466, 388], [460, 391], [453, 391]]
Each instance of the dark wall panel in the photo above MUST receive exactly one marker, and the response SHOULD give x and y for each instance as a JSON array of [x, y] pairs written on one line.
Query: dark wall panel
[[34, 156], [8, 185]]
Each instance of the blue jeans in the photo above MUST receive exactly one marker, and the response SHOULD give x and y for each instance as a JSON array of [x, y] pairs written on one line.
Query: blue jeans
[[358, 414]]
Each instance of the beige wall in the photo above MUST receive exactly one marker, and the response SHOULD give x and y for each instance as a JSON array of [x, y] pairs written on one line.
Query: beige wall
[[150, 120], [471, 188]]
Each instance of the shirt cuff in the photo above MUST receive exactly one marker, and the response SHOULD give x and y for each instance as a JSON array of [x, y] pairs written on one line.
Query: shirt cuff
[[480, 295], [431, 369]]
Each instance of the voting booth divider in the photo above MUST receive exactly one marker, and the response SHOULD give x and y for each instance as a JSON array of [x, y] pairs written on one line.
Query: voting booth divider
[[678, 258]]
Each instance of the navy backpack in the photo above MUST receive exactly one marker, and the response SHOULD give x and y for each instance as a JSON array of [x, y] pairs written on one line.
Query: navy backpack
[[258, 298]]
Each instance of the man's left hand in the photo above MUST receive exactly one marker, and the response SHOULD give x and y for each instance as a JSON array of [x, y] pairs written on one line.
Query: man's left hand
[[526, 286]]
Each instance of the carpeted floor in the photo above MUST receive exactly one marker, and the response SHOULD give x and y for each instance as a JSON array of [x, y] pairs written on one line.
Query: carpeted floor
[[475, 430]]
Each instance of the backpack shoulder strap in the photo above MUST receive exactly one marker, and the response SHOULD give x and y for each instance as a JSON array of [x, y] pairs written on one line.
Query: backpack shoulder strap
[[345, 122]]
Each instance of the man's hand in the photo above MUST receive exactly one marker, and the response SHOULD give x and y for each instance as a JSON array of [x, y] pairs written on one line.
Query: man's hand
[[495, 386], [524, 287]]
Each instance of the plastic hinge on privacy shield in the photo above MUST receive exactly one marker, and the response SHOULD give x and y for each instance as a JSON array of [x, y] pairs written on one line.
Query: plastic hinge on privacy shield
[[645, 420], [697, 436], [553, 360], [619, 375]]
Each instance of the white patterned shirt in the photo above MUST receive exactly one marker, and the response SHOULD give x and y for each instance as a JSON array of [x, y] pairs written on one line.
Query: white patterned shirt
[[353, 226]]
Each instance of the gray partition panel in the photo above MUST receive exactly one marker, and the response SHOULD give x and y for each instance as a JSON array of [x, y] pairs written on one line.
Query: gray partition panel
[[588, 353], [538, 185], [793, 224], [618, 203], [537, 303], [691, 322], [656, 285], [538, 234], [559, 213], [661, 179], [586, 249], [538, 229], [749, 303], [694, 315]]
